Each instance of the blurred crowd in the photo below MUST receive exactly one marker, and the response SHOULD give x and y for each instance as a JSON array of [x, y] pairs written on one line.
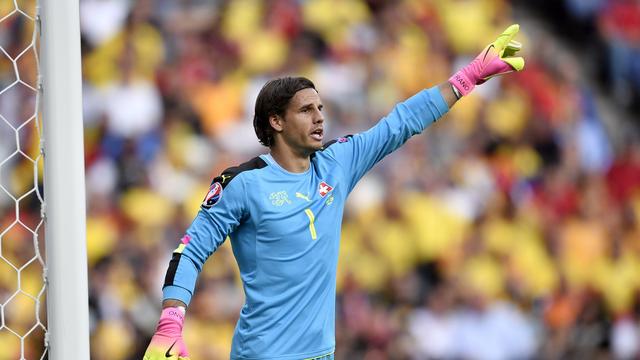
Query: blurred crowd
[[606, 35], [508, 230]]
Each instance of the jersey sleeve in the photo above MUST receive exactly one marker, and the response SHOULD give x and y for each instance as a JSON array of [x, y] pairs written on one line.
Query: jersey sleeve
[[357, 154], [220, 214]]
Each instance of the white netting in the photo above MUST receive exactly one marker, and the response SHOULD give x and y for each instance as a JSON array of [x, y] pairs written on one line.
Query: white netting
[[22, 280]]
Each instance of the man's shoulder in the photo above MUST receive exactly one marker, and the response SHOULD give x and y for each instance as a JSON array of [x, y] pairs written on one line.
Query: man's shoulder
[[338, 140], [328, 148], [222, 181], [231, 173]]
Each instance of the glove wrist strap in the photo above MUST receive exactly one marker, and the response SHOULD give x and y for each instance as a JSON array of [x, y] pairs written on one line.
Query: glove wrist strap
[[171, 321], [462, 82]]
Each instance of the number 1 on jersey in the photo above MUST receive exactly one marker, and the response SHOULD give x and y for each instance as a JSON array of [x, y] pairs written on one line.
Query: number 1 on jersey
[[312, 227]]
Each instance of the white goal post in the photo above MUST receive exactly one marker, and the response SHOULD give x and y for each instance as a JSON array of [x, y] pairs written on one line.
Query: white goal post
[[64, 186]]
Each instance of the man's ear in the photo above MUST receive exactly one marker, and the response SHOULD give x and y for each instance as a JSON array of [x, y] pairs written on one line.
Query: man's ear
[[276, 122]]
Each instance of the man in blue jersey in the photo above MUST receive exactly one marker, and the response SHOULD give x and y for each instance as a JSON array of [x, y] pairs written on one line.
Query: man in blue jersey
[[282, 212]]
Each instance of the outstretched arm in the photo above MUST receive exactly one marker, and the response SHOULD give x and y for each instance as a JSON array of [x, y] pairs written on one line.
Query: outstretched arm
[[358, 153]]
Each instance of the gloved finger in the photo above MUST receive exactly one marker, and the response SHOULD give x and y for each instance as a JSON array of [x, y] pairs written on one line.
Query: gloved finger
[[512, 48], [506, 36], [517, 63]]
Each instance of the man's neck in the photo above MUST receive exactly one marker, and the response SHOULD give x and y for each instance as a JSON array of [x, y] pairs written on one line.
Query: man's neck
[[289, 160]]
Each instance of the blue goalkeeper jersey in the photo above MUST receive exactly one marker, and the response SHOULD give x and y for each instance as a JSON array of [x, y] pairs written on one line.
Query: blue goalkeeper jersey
[[284, 229]]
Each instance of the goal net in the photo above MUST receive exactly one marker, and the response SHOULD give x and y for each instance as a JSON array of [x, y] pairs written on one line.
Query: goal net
[[41, 131], [22, 284]]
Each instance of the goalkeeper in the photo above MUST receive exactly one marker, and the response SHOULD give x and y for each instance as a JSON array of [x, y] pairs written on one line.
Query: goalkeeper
[[283, 210]]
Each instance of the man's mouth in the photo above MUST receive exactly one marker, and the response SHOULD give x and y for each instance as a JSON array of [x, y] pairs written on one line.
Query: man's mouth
[[317, 134]]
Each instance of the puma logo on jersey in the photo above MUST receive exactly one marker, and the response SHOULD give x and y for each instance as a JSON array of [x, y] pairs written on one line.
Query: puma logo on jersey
[[301, 196]]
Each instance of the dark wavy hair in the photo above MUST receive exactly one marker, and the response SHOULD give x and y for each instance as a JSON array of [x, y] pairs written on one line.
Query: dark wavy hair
[[273, 99]]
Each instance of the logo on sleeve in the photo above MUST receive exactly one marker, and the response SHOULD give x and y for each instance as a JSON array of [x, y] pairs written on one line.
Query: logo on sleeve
[[225, 177], [324, 189], [213, 196]]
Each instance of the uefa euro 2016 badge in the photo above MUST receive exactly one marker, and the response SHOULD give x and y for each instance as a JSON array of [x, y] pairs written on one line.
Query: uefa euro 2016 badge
[[213, 196]]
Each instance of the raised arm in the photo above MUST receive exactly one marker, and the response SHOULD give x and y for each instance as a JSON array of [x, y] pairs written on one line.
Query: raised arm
[[358, 153]]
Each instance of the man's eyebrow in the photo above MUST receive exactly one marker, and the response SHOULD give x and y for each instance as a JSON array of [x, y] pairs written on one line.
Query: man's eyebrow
[[310, 105]]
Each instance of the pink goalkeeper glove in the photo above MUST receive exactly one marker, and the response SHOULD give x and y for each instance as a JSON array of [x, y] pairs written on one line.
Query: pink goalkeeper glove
[[496, 59], [167, 342]]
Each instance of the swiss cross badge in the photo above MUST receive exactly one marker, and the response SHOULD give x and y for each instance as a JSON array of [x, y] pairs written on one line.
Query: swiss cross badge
[[324, 188]]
